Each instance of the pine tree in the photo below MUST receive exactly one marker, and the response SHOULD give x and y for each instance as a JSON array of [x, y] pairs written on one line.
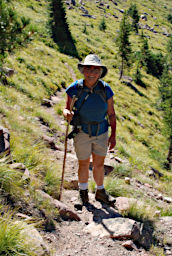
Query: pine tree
[[165, 90], [124, 44], [133, 12], [102, 25], [13, 30]]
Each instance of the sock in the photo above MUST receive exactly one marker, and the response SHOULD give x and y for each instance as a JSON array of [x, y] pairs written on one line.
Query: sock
[[83, 186], [100, 187]]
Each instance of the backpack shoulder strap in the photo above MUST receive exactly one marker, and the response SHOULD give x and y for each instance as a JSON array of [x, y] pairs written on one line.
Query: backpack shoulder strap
[[102, 90]]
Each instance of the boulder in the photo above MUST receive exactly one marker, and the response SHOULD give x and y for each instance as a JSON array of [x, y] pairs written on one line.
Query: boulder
[[63, 210], [33, 238], [48, 103], [117, 228], [4, 140], [50, 141]]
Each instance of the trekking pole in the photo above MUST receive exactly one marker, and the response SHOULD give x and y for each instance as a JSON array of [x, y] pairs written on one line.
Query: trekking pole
[[65, 148]]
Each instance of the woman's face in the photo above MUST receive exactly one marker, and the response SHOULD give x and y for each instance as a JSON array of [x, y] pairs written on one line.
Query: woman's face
[[91, 74]]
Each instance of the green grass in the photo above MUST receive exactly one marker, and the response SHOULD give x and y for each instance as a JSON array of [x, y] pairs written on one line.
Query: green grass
[[12, 241]]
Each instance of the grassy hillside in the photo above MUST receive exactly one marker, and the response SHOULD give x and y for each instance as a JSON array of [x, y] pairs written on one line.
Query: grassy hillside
[[42, 69], [40, 72]]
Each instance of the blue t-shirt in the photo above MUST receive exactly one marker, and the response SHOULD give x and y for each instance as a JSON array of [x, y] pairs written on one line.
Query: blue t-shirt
[[94, 108]]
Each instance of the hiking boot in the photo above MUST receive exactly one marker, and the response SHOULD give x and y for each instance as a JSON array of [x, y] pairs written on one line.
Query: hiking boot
[[103, 197], [82, 199]]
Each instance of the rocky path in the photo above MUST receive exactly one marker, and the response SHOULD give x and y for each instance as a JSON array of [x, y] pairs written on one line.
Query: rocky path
[[97, 231]]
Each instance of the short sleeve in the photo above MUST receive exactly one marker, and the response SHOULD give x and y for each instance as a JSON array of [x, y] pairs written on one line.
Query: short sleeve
[[72, 89], [109, 91]]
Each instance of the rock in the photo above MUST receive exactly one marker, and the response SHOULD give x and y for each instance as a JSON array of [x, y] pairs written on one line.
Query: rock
[[159, 197], [163, 229], [118, 228], [24, 216], [148, 185], [50, 141], [4, 140], [34, 239], [55, 99], [46, 102], [121, 10], [150, 173], [167, 199], [64, 211], [157, 214], [8, 71], [144, 17], [129, 245], [157, 172], [123, 203], [26, 176], [19, 166], [83, 10], [127, 180], [119, 160]]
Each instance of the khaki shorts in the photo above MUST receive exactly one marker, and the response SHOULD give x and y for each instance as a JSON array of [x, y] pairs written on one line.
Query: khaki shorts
[[85, 145]]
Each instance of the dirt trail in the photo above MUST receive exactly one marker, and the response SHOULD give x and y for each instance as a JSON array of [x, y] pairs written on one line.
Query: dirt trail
[[70, 237]]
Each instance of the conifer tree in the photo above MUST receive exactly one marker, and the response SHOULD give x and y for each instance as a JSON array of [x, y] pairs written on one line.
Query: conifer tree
[[165, 90], [133, 12], [12, 30], [102, 25], [123, 44]]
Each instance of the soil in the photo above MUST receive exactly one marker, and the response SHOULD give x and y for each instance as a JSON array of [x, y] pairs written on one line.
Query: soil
[[70, 237]]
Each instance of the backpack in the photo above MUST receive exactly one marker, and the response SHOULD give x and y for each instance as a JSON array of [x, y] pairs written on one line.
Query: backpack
[[76, 120]]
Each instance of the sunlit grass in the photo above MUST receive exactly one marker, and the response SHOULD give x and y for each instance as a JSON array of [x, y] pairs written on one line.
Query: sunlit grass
[[12, 241]]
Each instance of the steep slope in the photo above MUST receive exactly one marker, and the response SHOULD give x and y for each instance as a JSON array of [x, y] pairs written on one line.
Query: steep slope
[[41, 70]]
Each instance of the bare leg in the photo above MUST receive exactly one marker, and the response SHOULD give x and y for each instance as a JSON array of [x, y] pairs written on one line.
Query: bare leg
[[83, 170], [98, 169]]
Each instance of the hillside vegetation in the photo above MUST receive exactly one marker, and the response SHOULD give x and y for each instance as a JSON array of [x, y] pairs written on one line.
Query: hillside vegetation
[[42, 69]]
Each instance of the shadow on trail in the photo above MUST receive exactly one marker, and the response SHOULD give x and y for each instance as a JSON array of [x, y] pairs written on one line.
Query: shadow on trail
[[104, 213]]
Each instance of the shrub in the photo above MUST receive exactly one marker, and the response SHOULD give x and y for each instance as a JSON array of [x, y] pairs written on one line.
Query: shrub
[[102, 25]]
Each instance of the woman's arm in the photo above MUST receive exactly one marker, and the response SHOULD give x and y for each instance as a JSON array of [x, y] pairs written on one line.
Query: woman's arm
[[66, 112], [112, 121]]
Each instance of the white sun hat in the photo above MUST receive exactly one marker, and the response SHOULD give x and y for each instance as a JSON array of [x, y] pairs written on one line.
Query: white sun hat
[[92, 60]]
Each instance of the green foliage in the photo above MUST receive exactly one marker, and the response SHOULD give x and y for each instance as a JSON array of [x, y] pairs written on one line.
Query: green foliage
[[138, 78], [154, 63], [60, 29], [139, 212], [123, 43], [122, 170], [102, 25], [169, 18], [13, 30], [10, 179], [133, 12], [166, 211], [12, 242], [85, 29]]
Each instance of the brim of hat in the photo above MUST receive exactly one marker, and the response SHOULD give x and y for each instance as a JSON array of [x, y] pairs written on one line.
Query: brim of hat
[[105, 70]]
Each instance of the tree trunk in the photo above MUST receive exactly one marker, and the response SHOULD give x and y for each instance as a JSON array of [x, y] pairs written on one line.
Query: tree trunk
[[169, 157], [122, 68]]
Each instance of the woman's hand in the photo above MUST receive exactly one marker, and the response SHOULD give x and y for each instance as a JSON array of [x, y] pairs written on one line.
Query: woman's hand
[[112, 142], [68, 115]]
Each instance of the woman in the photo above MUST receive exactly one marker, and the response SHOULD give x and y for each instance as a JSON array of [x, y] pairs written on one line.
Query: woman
[[95, 102]]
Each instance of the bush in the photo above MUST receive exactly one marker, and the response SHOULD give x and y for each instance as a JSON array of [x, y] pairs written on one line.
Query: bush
[[102, 25]]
